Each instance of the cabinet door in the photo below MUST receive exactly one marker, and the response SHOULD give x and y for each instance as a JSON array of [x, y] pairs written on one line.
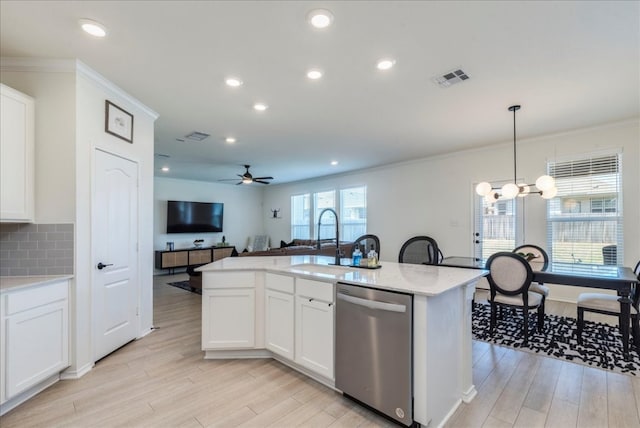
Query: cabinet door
[[198, 257], [16, 156], [37, 345], [314, 335], [228, 318], [279, 329]]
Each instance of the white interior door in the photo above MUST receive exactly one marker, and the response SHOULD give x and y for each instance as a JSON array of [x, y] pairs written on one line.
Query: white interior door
[[115, 240]]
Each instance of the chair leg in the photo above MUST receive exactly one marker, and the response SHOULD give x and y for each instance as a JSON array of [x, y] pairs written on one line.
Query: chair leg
[[492, 322], [541, 316], [525, 315], [580, 325]]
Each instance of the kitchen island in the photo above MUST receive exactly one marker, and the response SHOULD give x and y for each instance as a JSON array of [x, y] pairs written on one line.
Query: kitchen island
[[283, 308]]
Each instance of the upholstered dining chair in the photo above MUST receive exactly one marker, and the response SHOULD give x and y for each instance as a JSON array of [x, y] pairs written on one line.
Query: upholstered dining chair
[[509, 280], [608, 304], [419, 250], [366, 241], [539, 261]]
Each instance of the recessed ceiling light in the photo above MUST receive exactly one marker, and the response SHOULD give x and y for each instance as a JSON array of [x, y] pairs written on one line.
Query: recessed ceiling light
[[260, 106], [320, 18], [385, 64], [334, 163], [92, 27], [165, 169], [229, 140], [233, 82], [314, 74]]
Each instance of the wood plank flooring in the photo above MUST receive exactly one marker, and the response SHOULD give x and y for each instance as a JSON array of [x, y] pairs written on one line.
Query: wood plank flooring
[[162, 380]]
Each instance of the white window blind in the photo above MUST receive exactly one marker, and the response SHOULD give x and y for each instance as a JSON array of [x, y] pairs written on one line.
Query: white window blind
[[353, 213], [322, 200], [497, 225], [584, 220], [301, 216]]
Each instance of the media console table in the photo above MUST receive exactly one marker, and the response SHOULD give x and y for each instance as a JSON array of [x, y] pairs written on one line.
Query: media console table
[[191, 256]]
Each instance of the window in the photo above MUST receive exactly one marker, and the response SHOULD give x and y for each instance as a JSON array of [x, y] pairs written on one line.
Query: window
[[351, 206], [301, 216], [497, 226], [585, 218], [353, 213]]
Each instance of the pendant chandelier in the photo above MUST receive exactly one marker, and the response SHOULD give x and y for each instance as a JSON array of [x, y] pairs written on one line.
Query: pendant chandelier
[[545, 185]]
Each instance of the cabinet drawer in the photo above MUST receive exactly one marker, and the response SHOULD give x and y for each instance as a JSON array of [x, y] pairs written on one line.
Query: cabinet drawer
[[22, 300], [279, 283], [228, 280], [314, 289]]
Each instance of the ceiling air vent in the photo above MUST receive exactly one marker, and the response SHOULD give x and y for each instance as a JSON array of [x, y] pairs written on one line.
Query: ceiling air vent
[[196, 136], [451, 78]]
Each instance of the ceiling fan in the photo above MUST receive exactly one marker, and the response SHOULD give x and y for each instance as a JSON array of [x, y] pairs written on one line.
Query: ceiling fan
[[247, 178]]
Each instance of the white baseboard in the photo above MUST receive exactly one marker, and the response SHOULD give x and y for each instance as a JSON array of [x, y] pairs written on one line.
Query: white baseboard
[[76, 374]]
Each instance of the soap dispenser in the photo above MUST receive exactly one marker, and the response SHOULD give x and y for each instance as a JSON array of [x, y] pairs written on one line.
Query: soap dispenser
[[356, 256], [372, 258]]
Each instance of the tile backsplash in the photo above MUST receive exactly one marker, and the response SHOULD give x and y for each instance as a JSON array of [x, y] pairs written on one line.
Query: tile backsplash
[[36, 249]]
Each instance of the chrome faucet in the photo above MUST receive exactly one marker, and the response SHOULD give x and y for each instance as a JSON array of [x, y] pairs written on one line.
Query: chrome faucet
[[337, 261]]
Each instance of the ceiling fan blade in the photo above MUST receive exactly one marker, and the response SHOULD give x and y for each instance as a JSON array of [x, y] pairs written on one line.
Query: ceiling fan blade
[[262, 178], [260, 181], [237, 184], [227, 179]]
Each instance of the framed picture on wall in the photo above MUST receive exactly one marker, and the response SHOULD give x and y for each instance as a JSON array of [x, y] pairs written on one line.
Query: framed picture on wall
[[118, 122]]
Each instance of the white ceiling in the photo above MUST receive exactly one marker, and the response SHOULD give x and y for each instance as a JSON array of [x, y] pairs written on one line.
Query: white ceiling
[[570, 65]]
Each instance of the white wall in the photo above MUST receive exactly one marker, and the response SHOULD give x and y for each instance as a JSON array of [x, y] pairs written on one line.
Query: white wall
[[244, 215], [435, 196]]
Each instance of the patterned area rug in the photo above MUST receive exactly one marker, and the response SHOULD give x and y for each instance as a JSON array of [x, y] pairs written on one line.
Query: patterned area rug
[[601, 344], [185, 285]]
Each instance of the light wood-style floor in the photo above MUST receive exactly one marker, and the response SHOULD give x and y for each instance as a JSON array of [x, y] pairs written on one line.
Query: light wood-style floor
[[162, 380]]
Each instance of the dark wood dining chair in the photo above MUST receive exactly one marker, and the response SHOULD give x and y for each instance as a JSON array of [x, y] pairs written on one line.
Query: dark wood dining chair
[[419, 250], [366, 241], [539, 261], [509, 279], [608, 304]]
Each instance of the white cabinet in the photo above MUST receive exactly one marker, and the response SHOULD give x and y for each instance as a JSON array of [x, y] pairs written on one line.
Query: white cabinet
[[314, 326], [228, 310], [35, 336], [16, 156], [279, 315]]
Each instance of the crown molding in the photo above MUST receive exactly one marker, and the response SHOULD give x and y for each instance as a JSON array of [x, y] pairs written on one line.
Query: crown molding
[[45, 65]]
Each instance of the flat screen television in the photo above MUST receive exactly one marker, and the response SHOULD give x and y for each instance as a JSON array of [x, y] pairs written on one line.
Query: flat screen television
[[194, 217]]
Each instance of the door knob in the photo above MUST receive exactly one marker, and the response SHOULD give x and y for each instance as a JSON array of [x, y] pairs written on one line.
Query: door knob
[[102, 265]]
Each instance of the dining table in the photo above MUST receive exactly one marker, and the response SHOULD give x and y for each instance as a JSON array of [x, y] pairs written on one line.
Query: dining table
[[608, 277]]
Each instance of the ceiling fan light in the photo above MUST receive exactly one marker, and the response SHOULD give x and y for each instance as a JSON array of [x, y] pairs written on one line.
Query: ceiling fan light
[[510, 190], [483, 188], [545, 182]]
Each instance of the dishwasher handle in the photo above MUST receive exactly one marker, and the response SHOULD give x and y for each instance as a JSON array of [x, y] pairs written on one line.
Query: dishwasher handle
[[372, 304]]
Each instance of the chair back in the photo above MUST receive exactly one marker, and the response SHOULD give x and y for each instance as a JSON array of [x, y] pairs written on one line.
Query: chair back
[[509, 274], [540, 259], [419, 250], [366, 241]]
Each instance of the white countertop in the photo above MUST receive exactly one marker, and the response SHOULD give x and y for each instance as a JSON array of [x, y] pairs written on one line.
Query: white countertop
[[408, 278], [15, 282]]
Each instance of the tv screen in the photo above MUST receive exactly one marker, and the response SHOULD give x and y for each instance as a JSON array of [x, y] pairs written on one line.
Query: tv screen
[[194, 217]]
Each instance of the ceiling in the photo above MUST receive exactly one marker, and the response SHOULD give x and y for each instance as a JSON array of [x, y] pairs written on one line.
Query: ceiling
[[569, 64]]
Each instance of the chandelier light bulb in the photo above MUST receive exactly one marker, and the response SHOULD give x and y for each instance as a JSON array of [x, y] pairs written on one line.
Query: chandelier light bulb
[[483, 189], [545, 182], [549, 193], [490, 198], [524, 190], [510, 190]]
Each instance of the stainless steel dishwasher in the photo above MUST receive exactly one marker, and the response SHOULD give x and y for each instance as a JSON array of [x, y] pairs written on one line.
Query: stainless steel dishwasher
[[373, 362]]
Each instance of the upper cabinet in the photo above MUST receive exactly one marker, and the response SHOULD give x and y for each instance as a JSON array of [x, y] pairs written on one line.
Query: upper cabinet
[[16, 157]]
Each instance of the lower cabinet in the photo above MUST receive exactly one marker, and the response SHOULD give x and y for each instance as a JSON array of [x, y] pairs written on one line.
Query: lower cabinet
[[279, 315], [297, 315], [228, 310], [35, 336], [314, 334]]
